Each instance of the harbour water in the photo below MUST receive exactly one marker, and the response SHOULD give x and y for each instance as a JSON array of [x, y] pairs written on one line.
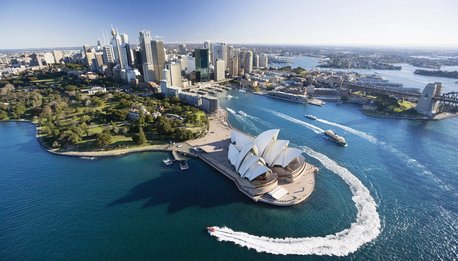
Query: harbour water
[[133, 207]]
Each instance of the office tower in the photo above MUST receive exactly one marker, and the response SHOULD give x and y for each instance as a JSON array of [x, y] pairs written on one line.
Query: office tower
[[98, 60], [201, 59], [234, 70], [137, 57], [99, 46], [124, 56], [49, 58], [166, 76], [147, 56], [219, 52], [124, 39], [116, 45], [263, 61], [248, 62], [220, 68], [255, 60], [175, 74], [230, 55], [208, 46], [58, 56], [108, 54], [241, 56], [86, 50], [182, 49], [157, 48]]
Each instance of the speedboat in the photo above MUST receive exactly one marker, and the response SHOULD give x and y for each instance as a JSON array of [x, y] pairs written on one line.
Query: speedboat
[[184, 165], [242, 113], [167, 161], [310, 116], [211, 229], [242, 90], [336, 138]]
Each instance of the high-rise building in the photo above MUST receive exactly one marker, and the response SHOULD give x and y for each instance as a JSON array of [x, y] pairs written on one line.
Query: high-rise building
[[175, 74], [219, 52], [86, 50], [166, 76], [124, 56], [220, 68], [124, 39], [108, 54], [157, 48], [182, 49], [147, 56], [263, 61], [208, 45], [201, 59], [234, 70], [116, 45], [248, 62], [255, 60], [98, 60]]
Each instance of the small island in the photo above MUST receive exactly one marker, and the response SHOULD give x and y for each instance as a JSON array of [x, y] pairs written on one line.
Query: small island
[[438, 73]]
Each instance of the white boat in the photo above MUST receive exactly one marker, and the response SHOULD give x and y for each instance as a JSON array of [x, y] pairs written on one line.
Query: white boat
[[336, 138], [184, 165], [310, 116], [242, 90], [88, 158], [167, 161], [242, 113]]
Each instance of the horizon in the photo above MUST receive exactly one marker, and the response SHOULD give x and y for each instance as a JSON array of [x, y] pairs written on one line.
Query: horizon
[[330, 23]]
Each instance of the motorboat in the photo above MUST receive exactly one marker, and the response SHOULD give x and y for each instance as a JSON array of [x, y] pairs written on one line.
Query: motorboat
[[184, 165], [310, 116], [242, 90], [336, 138], [211, 229], [167, 161], [242, 113]]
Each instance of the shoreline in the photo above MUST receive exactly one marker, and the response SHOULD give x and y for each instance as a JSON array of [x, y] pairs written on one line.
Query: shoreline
[[440, 116]]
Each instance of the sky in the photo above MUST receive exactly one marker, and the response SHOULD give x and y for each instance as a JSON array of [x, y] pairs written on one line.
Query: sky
[[399, 23]]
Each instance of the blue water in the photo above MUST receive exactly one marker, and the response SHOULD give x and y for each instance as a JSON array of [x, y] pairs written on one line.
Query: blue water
[[134, 208]]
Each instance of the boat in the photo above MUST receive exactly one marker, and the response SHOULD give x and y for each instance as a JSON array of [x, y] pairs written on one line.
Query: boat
[[184, 165], [88, 158], [229, 97], [242, 90], [336, 138], [167, 161], [211, 229], [310, 116], [242, 113]]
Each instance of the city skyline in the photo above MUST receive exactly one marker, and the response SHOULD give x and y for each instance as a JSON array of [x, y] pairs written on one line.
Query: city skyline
[[357, 23]]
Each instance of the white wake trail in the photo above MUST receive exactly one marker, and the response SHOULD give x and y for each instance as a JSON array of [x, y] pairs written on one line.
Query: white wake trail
[[365, 229], [239, 117], [312, 127]]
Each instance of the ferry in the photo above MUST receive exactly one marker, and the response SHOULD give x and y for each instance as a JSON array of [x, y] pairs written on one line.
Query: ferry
[[336, 138], [167, 161], [310, 116], [184, 165], [242, 113]]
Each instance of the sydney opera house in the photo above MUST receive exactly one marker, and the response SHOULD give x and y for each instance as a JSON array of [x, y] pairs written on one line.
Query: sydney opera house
[[267, 168]]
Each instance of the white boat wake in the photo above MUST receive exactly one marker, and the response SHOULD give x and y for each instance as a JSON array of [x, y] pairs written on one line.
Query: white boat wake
[[312, 127], [412, 163], [243, 119], [365, 229]]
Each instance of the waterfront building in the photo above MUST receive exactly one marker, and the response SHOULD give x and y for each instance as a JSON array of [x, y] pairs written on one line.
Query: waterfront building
[[263, 61], [234, 69], [248, 62], [202, 66], [210, 104], [220, 68], [190, 98], [255, 60], [158, 51]]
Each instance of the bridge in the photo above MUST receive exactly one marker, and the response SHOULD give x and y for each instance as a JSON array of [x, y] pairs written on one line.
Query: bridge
[[448, 102]]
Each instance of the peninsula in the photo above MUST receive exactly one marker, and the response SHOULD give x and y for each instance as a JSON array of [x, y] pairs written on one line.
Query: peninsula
[[438, 73]]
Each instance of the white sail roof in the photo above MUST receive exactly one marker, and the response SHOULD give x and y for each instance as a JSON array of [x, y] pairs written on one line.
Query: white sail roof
[[273, 150], [239, 139], [250, 146], [250, 159], [265, 138], [233, 153], [257, 170], [286, 156]]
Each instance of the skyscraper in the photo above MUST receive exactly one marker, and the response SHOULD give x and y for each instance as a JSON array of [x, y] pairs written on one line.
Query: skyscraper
[[108, 54], [220, 68], [58, 56], [234, 69], [248, 63], [182, 49], [219, 52], [116, 45], [175, 74], [147, 56], [255, 60], [208, 46], [201, 59], [263, 61], [124, 39], [157, 48]]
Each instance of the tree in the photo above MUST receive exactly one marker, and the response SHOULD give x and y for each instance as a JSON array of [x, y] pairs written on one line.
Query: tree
[[3, 115], [19, 109], [103, 139]]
